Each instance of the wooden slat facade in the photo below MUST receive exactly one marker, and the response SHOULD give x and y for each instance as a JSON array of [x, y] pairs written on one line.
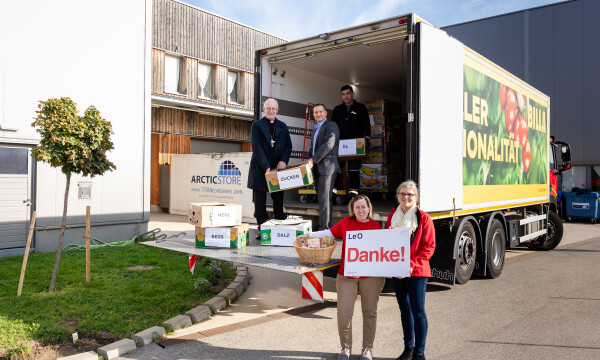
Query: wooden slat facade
[[175, 121], [162, 147]]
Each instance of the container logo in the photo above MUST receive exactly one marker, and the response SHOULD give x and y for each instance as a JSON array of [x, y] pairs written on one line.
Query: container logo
[[228, 174]]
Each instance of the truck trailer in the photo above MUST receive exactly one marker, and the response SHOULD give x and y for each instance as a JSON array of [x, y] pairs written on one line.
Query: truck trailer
[[474, 137]]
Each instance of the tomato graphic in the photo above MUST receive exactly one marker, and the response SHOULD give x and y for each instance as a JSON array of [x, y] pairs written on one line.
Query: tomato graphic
[[517, 128], [523, 135], [503, 96], [510, 110], [526, 157]]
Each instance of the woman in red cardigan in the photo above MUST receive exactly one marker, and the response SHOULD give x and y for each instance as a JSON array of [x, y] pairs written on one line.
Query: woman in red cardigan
[[349, 287], [410, 291]]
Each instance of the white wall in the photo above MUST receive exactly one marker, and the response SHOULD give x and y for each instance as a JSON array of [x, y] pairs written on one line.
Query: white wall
[[96, 53]]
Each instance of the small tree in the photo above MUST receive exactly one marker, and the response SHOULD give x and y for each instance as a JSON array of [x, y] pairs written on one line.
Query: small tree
[[76, 144]]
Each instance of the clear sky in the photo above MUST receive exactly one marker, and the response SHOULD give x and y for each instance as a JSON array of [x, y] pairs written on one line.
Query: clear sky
[[295, 19]]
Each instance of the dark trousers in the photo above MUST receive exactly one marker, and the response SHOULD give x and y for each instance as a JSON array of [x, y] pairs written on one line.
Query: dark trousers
[[353, 167], [259, 198], [410, 294], [324, 188]]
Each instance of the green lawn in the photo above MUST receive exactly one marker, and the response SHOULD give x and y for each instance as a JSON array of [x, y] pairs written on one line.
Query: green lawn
[[118, 300]]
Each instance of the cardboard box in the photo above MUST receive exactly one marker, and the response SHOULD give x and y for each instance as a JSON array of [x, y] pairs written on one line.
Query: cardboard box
[[376, 105], [375, 157], [372, 170], [376, 145], [350, 149], [377, 132], [226, 237], [291, 177], [373, 182], [377, 119], [283, 232], [215, 214]]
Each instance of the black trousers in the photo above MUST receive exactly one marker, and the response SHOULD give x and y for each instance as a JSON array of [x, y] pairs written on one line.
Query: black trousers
[[353, 175], [259, 198]]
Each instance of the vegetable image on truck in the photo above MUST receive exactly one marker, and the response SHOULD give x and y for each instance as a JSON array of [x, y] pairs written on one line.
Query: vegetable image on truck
[[473, 136]]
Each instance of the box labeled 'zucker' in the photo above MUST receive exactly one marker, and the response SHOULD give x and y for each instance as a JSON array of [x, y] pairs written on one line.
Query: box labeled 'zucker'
[[291, 177], [225, 237], [215, 214], [283, 232]]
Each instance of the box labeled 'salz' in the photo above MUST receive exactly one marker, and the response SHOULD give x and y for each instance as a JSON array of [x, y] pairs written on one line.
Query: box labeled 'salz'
[[226, 237], [283, 232]]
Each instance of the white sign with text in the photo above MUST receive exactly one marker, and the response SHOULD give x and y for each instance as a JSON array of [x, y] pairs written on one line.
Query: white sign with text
[[217, 237], [290, 178], [347, 147], [224, 216], [283, 236], [377, 253]]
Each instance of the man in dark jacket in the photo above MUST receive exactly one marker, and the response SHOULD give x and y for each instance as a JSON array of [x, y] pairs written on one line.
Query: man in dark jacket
[[352, 118], [271, 150], [324, 162]]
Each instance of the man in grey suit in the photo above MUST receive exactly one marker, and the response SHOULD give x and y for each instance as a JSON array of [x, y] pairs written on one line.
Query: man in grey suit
[[324, 162]]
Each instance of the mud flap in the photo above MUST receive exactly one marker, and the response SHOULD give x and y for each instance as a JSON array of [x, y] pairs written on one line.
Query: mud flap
[[443, 263]]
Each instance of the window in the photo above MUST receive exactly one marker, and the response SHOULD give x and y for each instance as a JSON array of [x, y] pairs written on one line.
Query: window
[[205, 81], [174, 70], [13, 161], [233, 87], [595, 178]]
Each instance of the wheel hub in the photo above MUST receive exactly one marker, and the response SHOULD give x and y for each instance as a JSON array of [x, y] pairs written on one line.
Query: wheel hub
[[466, 248], [496, 249]]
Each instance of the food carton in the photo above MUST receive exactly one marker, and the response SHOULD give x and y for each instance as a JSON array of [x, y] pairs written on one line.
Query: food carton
[[291, 177], [350, 149], [372, 170], [215, 214], [225, 237], [373, 182], [283, 232]]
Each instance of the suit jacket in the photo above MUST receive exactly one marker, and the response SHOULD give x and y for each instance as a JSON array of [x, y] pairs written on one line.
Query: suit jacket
[[325, 155], [353, 124], [262, 156]]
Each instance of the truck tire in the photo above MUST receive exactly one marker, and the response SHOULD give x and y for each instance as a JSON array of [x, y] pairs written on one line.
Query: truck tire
[[496, 249], [466, 252], [554, 236]]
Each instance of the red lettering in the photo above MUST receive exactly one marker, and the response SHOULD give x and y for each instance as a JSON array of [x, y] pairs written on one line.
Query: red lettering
[[371, 253], [384, 255], [364, 257], [350, 251], [394, 256]]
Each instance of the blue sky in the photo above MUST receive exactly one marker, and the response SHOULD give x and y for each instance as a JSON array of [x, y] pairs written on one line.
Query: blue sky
[[292, 20]]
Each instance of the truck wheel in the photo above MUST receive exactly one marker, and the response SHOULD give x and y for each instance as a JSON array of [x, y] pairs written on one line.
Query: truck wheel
[[496, 249], [554, 235], [467, 250], [340, 199], [304, 198]]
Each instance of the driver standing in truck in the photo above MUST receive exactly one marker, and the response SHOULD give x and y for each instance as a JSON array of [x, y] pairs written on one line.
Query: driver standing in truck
[[352, 119]]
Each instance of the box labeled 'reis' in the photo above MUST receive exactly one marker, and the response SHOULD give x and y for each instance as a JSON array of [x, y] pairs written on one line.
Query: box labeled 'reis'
[[215, 214], [295, 176], [283, 232], [227, 237]]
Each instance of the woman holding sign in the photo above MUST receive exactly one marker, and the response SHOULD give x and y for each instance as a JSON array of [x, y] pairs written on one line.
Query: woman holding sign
[[348, 288], [410, 291]]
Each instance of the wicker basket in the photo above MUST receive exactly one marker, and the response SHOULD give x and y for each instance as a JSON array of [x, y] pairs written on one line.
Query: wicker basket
[[314, 256]]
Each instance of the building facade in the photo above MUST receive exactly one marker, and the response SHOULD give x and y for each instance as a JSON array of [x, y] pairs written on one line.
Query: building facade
[[202, 86], [95, 55], [554, 48]]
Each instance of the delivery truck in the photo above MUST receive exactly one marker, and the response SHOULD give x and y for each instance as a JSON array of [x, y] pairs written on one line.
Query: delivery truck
[[473, 136]]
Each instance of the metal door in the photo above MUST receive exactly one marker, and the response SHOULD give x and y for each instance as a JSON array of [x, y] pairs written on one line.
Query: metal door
[[15, 195]]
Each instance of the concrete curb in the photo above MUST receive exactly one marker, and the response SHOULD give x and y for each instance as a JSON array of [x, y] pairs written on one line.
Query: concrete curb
[[193, 316]]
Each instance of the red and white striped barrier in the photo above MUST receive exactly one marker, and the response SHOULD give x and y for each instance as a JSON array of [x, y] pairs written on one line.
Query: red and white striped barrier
[[312, 285]]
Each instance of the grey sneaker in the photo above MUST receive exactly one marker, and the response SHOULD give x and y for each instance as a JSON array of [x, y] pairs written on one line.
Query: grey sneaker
[[367, 354], [344, 354]]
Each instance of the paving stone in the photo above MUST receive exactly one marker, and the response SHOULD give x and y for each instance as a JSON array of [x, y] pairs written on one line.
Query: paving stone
[[90, 355], [147, 336], [238, 287], [199, 313], [229, 295], [179, 322], [217, 303], [117, 349], [243, 279]]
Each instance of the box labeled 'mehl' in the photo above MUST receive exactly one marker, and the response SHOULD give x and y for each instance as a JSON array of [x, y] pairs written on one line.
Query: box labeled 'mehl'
[[214, 214], [351, 149], [291, 177], [225, 237], [283, 232]]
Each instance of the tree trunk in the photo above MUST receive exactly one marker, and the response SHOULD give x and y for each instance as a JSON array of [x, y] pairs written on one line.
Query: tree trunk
[[62, 236]]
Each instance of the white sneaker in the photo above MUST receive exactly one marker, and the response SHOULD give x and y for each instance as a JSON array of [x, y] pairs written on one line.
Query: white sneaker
[[344, 354], [367, 354]]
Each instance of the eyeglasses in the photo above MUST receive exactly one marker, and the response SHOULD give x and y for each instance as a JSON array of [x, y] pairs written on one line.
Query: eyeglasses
[[271, 109], [407, 195]]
